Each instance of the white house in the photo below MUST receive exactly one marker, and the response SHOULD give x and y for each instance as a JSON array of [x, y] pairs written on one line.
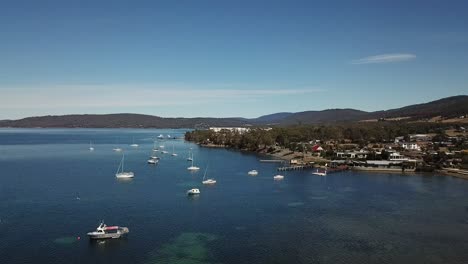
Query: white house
[[352, 154], [410, 146], [232, 129], [395, 156]]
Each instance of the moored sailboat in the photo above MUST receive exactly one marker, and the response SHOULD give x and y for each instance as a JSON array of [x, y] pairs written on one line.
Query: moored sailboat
[[121, 174]]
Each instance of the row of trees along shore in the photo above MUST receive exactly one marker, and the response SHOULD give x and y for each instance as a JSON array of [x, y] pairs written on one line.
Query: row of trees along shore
[[363, 133]]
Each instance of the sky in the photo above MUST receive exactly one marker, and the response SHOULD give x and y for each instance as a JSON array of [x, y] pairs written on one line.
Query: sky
[[228, 58]]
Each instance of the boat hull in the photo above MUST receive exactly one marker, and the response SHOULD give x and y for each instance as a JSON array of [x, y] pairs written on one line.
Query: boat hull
[[124, 175]]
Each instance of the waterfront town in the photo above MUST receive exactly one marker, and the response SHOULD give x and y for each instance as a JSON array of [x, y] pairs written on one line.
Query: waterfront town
[[445, 150]]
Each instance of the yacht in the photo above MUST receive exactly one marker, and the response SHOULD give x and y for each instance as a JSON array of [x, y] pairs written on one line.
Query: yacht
[[190, 156], [121, 174], [173, 153], [193, 191], [193, 168], [103, 232], [133, 145], [253, 173], [208, 181]]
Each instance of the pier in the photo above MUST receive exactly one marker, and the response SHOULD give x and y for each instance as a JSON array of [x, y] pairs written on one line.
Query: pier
[[279, 161], [295, 167]]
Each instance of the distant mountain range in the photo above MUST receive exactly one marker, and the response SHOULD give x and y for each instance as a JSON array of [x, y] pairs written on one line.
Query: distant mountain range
[[447, 107]]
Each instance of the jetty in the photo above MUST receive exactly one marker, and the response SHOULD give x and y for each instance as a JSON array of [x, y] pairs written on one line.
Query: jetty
[[295, 167], [268, 160]]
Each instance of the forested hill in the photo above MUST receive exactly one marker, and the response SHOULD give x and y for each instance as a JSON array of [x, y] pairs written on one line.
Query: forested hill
[[120, 121], [449, 107]]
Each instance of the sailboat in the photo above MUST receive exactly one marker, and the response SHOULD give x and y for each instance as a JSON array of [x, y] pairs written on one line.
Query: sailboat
[[121, 174], [154, 146], [162, 149], [190, 157], [91, 148], [134, 145], [117, 149], [208, 181], [193, 168], [153, 158], [173, 153]]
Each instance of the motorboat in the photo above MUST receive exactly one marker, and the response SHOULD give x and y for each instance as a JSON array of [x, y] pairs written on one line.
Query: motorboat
[[153, 161], [193, 191], [117, 149], [253, 173], [278, 177], [160, 136], [320, 173], [91, 148], [104, 232]]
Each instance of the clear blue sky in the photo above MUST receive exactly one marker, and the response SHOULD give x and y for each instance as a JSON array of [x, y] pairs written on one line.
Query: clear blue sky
[[228, 58]]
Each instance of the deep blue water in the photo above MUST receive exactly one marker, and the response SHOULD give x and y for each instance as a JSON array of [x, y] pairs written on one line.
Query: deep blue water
[[345, 217]]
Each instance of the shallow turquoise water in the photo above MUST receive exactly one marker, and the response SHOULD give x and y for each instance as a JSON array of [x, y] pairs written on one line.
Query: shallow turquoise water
[[342, 218]]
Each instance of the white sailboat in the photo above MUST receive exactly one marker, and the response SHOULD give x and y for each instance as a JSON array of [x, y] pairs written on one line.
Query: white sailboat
[[134, 145], [190, 155], [162, 149], [121, 174], [208, 181], [154, 146], [153, 158], [193, 168], [173, 153], [117, 149], [91, 148]]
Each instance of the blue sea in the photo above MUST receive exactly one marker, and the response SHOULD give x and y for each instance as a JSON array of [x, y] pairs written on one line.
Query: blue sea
[[53, 190]]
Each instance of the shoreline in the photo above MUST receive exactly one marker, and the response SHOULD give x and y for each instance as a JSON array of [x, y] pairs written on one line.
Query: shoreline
[[288, 155]]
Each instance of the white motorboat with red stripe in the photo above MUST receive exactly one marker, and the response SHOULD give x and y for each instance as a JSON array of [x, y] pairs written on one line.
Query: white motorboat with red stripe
[[103, 232]]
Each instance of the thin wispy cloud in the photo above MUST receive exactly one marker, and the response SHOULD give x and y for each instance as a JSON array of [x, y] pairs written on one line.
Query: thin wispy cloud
[[106, 96], [385, 58]]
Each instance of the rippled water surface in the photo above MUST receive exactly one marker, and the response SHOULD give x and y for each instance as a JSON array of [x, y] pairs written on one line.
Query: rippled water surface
[[54, 190]]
